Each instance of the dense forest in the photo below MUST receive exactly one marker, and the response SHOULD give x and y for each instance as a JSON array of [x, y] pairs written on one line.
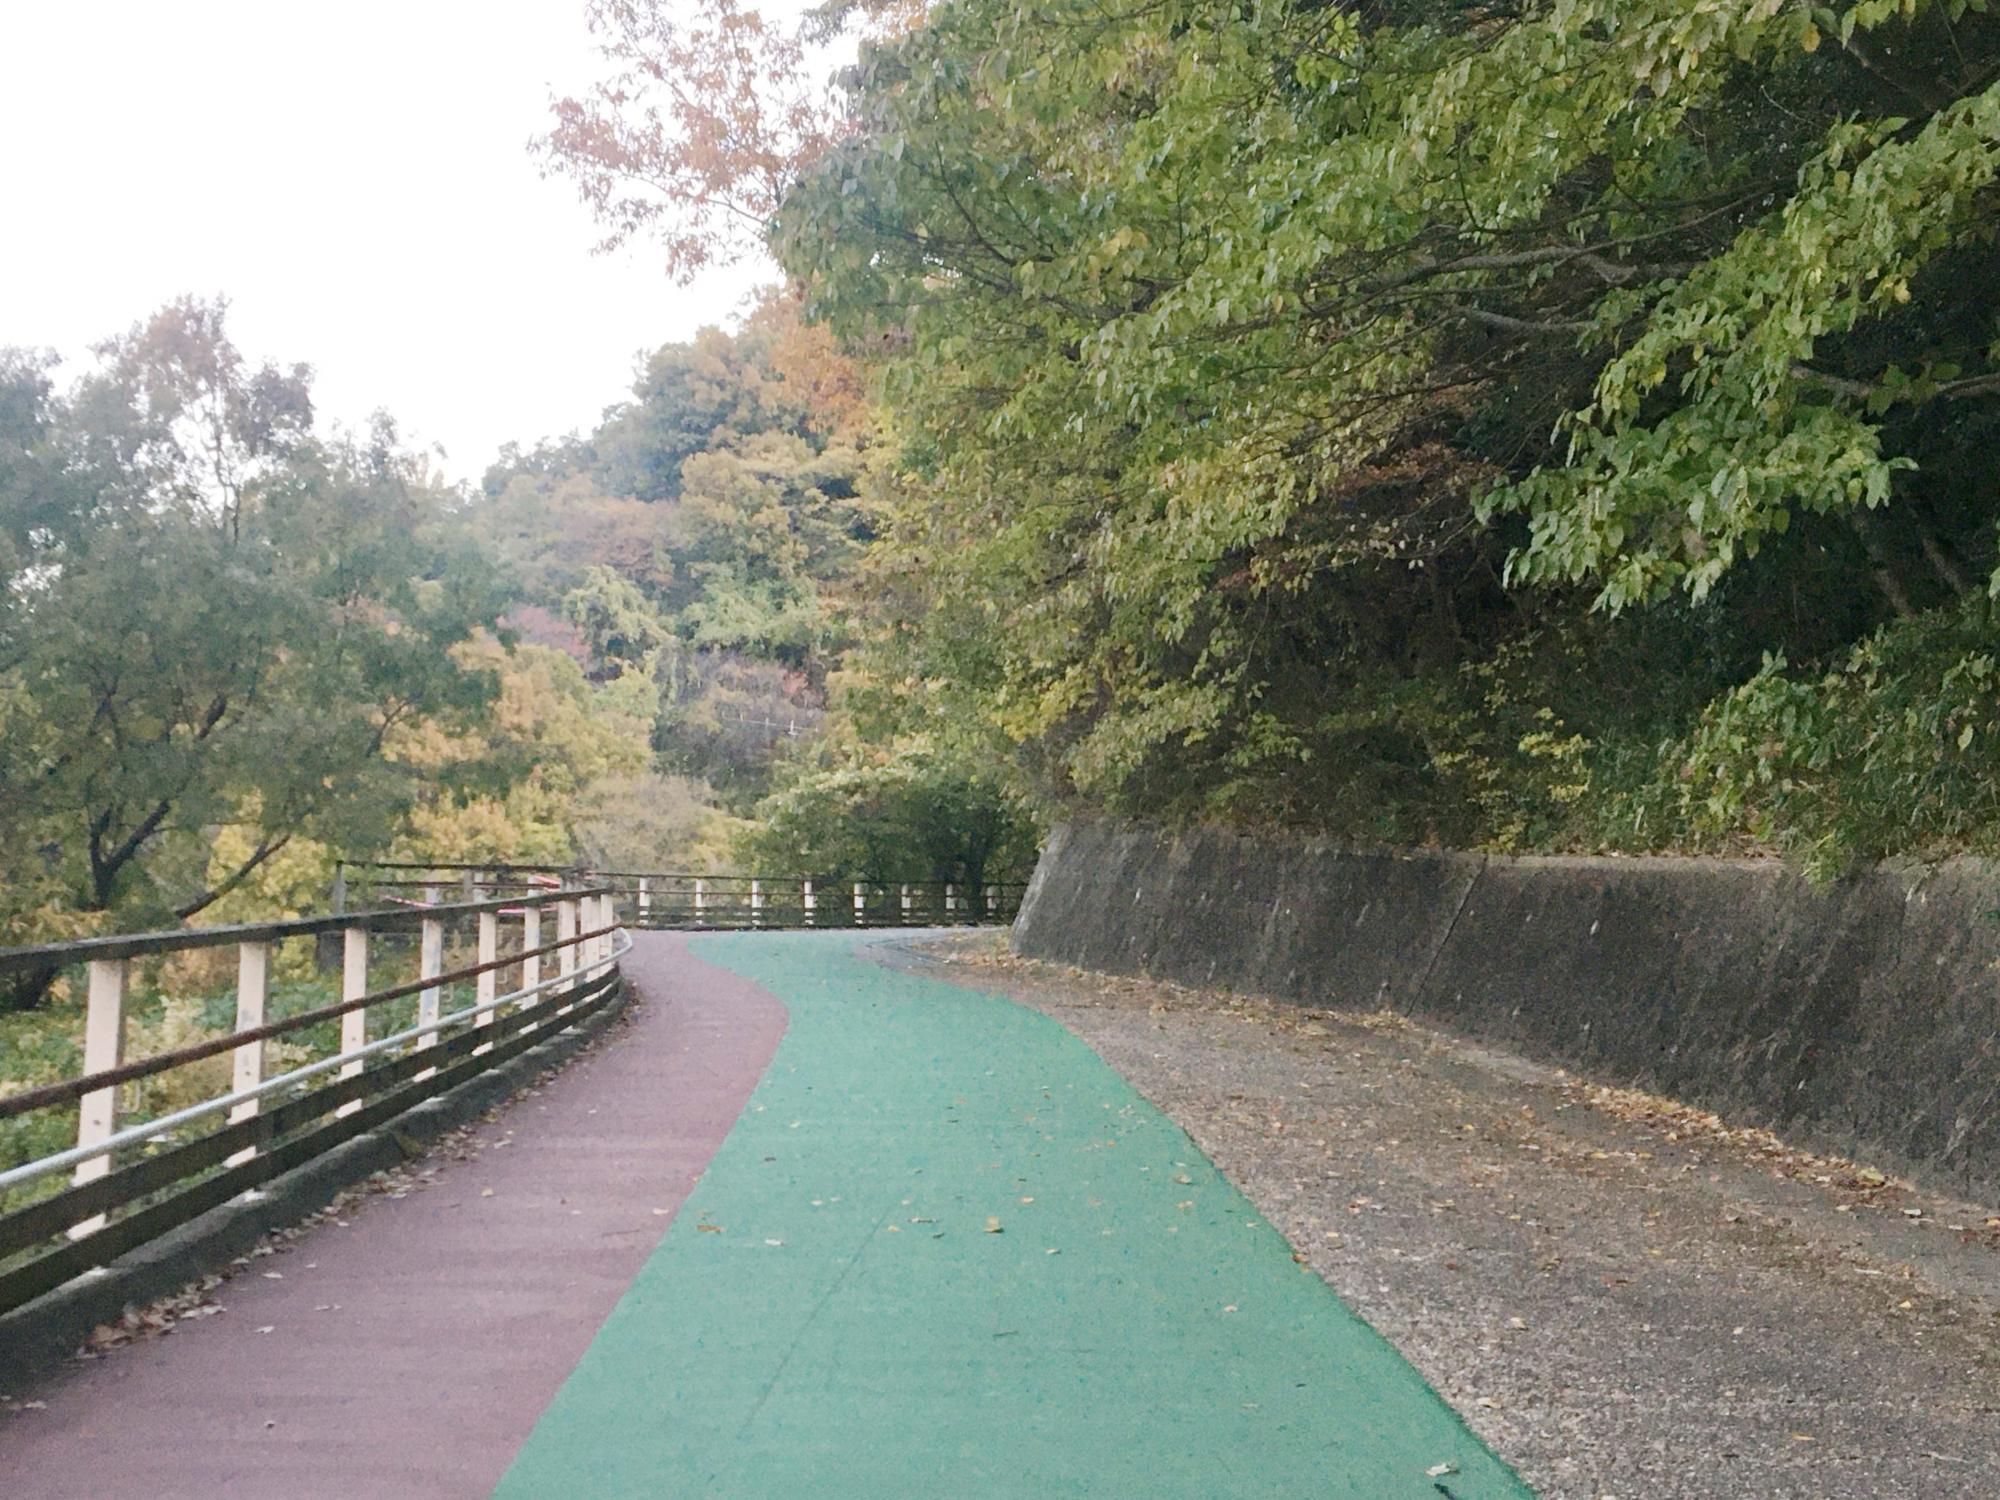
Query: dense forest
[[1559, 425], [1563, 425], [709, 551], [237, 649]]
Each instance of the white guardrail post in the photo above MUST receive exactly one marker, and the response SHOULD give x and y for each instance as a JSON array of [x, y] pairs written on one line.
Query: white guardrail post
[[531, 939], [488, 983], [430, 964], [253, 994], [102, 1139], [566, 954], [353, 985], [103, 1047]]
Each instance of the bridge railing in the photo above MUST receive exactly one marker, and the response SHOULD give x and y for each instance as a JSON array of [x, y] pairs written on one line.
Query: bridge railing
[[160, 1139], [659, 900], [693, 902]]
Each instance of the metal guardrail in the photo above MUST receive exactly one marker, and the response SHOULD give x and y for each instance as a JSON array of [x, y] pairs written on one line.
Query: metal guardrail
[[131, 1183], [753, 902], [698, 902]]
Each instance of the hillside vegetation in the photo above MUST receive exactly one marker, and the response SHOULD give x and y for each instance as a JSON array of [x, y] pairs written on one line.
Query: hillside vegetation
[[1565, 424], [235, 647], [1561, 424]]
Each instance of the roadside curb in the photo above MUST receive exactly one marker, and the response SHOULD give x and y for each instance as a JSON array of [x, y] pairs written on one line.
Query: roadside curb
[[44, 1334]]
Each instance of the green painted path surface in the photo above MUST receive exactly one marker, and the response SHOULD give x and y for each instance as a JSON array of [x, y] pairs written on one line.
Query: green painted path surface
[[833, 1315]]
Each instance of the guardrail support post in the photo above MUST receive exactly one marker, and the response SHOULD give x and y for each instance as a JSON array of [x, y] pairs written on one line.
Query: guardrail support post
[[430, 964], [645, 901], [906, 903], [103, 1047], [809, 903], [485, 985], [993, 901], [700, 900], [950, 900], [531, 938], [253, 992], [353, 985], [756, 903], [566, 954], [860, 903]]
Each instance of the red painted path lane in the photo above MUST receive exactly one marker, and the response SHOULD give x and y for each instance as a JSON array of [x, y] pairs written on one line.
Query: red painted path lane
[[458, 1314]]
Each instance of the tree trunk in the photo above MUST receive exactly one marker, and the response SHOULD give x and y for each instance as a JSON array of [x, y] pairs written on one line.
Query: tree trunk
[[28, 990], [1883, 569]]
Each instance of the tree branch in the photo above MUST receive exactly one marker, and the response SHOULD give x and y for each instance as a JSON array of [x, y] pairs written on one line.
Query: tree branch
[[1506, 324], [263, 852]]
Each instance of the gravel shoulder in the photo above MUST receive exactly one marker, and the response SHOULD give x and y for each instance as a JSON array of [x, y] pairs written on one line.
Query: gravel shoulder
[[1626, 1298]]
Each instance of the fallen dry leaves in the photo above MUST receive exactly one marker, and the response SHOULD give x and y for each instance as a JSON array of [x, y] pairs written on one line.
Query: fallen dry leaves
[[1854, 1185]]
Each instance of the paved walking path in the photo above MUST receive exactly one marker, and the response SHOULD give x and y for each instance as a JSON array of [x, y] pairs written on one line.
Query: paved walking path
[[409, 1353], [944, 1252]]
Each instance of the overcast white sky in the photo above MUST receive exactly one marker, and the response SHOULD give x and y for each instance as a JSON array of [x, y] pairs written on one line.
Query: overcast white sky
[[354, 178]]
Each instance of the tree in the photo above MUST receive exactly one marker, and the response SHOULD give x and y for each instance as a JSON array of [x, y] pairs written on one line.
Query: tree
[[725, 719], [218, 621], [694, 135], [647, 821], [525, 779], [907, 813], [1289, 408], [1210, 331], [723, 505], [690, 397], [622, 630]]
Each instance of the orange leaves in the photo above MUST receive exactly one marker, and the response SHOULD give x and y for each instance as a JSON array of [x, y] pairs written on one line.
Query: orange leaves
[[707, 113]]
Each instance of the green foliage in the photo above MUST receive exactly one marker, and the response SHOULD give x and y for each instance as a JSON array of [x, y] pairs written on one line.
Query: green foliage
[[1896, 749], [688, 397], [36, 1048], [735, 582], [523, 782], [1288, 401], [725, 718], [907, 813], [704, 537], [648, 821], [217, 622], [1654, 498], [619, 625]]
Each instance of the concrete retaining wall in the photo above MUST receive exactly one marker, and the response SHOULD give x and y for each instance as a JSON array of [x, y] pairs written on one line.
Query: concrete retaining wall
[[1863, 1019]]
